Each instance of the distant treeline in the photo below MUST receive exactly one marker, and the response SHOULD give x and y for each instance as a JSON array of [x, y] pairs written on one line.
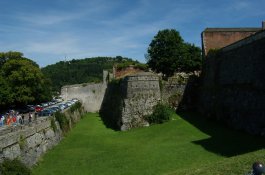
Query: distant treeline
[[77, 71]]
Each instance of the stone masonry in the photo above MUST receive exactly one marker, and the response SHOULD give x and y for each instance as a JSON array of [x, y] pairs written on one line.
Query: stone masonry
[[28, 142], [140, 92], [90, 94]]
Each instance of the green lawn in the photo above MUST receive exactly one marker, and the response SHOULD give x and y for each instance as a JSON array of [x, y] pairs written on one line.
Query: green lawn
[[185, 145]]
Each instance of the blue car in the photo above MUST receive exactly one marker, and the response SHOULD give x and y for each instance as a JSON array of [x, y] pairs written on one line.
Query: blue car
[[45, 112]]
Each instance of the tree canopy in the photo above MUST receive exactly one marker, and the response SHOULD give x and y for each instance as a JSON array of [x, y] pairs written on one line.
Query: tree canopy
[[4, 56], [168, 53], [21, 81]]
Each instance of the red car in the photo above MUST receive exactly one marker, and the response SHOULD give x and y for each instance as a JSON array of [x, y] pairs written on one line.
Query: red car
[[38, 108]]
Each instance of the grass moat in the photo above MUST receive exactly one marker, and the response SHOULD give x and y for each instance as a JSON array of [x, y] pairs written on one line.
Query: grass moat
[[185, 145]]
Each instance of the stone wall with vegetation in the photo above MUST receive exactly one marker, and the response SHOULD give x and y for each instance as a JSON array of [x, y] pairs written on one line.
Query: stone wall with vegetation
[[233, 85], [179, 91], [29, 142], [127, 101]]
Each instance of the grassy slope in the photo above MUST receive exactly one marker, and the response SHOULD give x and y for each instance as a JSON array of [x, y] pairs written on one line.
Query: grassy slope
[[181, 146]]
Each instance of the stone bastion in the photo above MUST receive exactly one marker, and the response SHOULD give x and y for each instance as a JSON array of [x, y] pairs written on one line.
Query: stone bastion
[[140, 93]]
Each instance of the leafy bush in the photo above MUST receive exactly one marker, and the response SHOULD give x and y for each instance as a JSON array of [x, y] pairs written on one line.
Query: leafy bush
[[63, 121], [161, 113], [14, 167]]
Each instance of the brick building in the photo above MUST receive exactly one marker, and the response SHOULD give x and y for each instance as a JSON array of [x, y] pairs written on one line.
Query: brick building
[[215, 38]]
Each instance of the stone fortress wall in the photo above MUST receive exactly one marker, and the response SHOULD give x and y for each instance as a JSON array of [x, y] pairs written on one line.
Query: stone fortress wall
[[233, 84], [140, 93], [91, 94], [124, 103], [28, 142]]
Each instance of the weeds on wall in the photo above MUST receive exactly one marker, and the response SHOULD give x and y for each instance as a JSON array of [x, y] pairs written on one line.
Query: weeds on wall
[[63, 122], [161, 113], [15, 167], [174, 99], [21, 142], [53, 125], [75, 107]]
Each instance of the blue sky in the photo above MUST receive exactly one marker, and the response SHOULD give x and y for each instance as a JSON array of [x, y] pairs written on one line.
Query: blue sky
[[48, 31]]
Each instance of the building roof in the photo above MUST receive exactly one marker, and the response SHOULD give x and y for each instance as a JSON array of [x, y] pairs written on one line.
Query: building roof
[[250, 29]]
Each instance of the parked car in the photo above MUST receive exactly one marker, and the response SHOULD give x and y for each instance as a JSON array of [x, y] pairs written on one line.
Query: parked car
[[38, 108], [62, 106], [44, 105], [57, 108], [54, 109], [45, 112]]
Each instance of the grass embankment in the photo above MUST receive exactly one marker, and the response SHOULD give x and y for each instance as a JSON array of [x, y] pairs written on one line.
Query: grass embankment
[[185, 145]]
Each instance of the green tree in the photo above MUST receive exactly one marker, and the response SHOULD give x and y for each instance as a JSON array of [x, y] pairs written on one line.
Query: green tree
[[193, 58], [26, 81], [6, 96], [4, 56], [168, 53]]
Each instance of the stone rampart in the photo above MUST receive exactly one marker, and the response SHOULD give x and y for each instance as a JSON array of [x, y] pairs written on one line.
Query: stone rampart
[[29, 142], [233, 85], [141, 92], [127, 101], [90, 94]]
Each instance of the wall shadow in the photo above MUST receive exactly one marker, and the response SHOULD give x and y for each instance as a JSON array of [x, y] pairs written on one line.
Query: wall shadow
[[189, 99], [111, 107], [223, 140]]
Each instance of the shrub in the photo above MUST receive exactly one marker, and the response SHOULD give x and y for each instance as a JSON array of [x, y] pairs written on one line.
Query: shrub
[[63, 121], [14, 167], [161, 113]]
